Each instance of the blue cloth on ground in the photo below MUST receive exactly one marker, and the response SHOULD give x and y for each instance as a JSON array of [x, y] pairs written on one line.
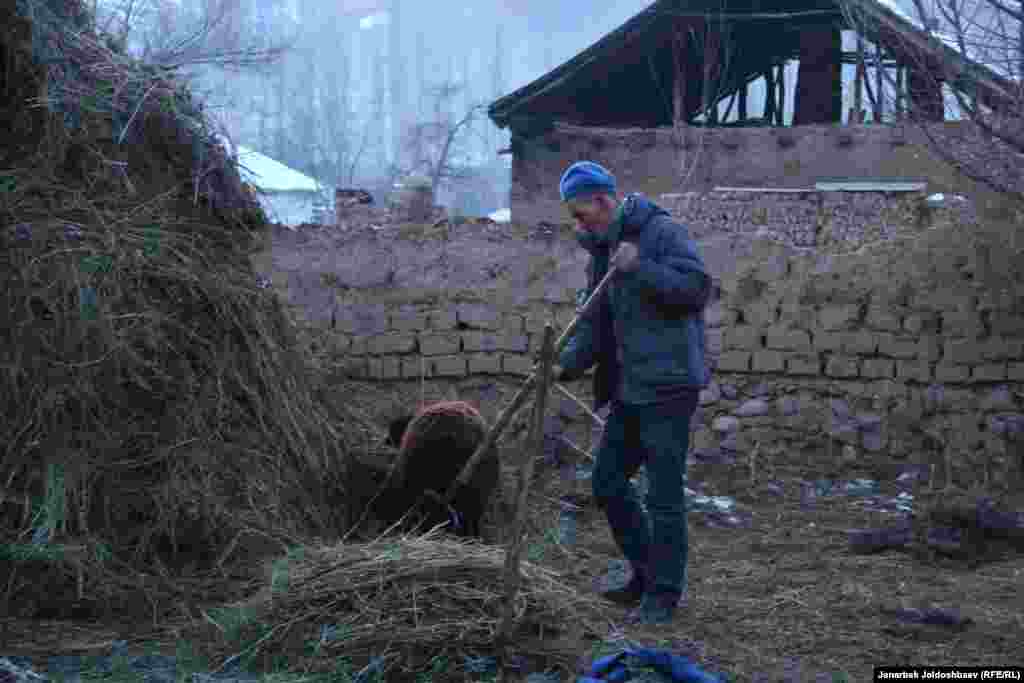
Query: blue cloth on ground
[[677, 667]]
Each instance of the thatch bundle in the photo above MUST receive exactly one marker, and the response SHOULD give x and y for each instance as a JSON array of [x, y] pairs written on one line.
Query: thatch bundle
[[408, 600], [152, 402], [434, 446]]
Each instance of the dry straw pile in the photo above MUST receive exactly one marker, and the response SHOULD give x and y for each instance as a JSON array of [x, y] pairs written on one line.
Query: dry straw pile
[[152, 403], [408, 599]]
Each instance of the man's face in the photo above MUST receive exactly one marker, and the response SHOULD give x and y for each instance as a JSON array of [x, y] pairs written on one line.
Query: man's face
[[592, 214]]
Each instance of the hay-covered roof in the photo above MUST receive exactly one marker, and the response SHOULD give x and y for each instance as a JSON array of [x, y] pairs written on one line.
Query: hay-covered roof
[[625, 78]]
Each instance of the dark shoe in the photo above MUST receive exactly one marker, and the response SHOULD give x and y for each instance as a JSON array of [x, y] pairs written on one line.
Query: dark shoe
[[653, 610], [629, 595]]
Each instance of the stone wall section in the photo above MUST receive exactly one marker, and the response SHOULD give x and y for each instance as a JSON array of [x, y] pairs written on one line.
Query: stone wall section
[[895, 339]]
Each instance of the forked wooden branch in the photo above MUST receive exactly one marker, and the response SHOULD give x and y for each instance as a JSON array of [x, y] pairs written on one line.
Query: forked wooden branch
[[515, 543], [520, 398]]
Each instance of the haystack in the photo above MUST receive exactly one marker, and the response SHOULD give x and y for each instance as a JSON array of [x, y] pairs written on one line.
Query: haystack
[[153, 411], [403, 602]]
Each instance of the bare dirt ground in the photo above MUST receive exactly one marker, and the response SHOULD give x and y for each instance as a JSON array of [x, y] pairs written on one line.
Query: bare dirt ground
[[780, 598]]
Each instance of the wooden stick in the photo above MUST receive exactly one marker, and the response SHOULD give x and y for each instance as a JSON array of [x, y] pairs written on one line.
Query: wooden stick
[[520, 398], [580, 403], [576, 449], [515, 545]]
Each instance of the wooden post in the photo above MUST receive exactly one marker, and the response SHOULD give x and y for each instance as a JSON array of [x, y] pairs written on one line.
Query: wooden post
[[818, 93], [857, 81], [711, 80], [678, 80], [743, 102], [879, 100], [899, 92], [515, 544], [780, 88], [769, 95]]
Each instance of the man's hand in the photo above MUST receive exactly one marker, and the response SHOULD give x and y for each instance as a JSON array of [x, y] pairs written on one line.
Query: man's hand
[[625, 257]]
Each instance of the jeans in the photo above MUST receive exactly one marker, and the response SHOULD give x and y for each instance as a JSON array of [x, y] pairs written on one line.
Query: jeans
[[656, 436]]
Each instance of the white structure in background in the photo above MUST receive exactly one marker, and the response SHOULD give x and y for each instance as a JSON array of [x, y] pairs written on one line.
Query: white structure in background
[[287, 196], [501, 216]]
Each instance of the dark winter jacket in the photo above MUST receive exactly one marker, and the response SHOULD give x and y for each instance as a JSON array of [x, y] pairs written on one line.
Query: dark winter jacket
[[646, 335]]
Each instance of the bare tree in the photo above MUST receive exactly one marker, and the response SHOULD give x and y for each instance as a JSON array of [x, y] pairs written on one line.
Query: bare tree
[[437, 148], [172, 35], [991, 101]]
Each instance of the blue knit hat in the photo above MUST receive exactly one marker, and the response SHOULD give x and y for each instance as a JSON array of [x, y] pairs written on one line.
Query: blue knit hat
[[583, 178]]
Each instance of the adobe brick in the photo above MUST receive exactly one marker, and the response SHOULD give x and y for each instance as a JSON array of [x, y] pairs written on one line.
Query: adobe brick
[[803, 364], [945, 372], [484, 363], [917, 371], [768, 361], [842, 366], [989, 372], [877, 368], [448, 366], [439, 344], [734, 361]]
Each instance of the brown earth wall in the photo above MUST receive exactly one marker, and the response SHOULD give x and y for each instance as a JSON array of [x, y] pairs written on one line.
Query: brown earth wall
[[849, 327], [657, 161]]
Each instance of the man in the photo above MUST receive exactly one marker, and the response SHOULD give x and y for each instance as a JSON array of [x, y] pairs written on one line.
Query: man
[[646, 338]]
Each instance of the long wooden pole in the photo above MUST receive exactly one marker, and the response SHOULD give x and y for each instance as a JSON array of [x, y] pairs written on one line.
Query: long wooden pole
[[515, 543], [520, 398], [879, 68]]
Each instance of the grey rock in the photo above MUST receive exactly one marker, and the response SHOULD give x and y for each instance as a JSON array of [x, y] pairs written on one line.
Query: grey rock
[[840, 409], [725, 424], [1009, 424], [788, 406], [868, 421], [753, 408], [729, 392], [845, 431], [873, 441], [1000, 398], [711, 394], [936, 394], [729, 444], [761, 389]]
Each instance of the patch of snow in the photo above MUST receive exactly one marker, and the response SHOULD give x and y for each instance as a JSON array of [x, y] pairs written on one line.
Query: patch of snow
[[939, 197], [501, 216]]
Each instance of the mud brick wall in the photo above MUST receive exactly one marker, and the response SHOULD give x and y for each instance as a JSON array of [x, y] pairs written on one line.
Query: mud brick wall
[[414, 342], [656, 161], [896, 352], [874, 349]]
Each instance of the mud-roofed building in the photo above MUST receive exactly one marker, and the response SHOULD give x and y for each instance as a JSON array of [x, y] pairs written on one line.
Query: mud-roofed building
[[654, 99]]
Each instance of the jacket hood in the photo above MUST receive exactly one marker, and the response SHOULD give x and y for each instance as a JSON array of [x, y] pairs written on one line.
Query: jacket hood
[[631, 216]]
